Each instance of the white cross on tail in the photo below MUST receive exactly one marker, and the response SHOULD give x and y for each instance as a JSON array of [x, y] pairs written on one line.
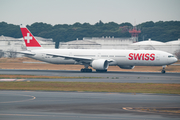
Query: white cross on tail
[[28, 38]]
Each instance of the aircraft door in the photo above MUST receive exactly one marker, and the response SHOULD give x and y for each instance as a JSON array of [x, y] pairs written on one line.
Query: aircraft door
[[43, 56], [99, 55]]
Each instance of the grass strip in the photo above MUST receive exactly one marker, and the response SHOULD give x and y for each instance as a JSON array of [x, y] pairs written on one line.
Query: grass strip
[[93, 87], [41, 77]]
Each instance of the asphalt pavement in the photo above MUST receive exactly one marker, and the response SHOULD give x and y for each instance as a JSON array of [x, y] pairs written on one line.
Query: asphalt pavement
[[119, 77], [41, 105], [44, 105]]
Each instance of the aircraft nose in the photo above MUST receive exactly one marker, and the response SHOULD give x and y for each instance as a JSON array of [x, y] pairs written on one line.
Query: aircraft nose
[[175, 59], [172, 59]]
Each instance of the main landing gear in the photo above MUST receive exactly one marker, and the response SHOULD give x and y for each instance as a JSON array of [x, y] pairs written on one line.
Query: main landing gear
[[101, 70], [90, 70], [86, 69], [163, 70]]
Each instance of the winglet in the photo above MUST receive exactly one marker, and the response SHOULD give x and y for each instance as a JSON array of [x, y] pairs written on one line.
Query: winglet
[[29, 39]]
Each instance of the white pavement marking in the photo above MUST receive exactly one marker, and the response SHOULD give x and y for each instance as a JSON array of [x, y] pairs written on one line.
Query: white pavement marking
[[33, 98], [7, 79]]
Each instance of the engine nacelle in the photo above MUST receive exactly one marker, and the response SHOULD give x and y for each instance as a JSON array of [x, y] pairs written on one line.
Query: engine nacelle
[[100, 64], [126, 66]]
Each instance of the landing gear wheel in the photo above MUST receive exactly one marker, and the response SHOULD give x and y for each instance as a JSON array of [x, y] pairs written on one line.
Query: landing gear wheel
[[163, 71], [101, 70], [86, 70]]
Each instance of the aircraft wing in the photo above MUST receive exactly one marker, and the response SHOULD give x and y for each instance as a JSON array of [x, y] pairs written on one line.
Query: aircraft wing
[[76, 58]]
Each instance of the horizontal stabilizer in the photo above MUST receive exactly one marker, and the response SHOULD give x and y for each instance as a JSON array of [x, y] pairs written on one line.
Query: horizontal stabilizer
[[26, 53]]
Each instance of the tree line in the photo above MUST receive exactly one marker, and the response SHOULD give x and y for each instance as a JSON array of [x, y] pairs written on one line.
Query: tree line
[[159, 31]]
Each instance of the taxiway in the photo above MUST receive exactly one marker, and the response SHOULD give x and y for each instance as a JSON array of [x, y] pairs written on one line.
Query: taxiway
[[28, 105], [43, 105], [120, 77]]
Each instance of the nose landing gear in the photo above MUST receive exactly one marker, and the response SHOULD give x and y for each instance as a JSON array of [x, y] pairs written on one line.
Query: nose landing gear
[[163, 70]]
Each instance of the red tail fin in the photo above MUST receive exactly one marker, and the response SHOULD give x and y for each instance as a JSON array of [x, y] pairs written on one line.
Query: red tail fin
[[29, 39]]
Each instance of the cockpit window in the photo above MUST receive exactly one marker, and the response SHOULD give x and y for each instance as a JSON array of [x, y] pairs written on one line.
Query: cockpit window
[[170, 56]]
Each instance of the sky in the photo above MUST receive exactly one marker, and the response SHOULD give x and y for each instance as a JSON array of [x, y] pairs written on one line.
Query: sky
[[55, 12]]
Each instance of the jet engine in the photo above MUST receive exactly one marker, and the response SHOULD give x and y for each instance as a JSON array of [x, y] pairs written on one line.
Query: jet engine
[[126, 66], [100, 64]]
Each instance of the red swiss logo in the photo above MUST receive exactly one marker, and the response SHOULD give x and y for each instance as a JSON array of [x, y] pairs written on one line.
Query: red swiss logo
[[29, 39], [141, 56]]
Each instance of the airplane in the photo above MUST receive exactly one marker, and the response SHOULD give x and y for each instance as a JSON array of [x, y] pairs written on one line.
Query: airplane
[[99, 59]]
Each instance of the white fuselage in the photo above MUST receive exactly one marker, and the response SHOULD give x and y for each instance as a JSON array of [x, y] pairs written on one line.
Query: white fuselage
[[119, 57]]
